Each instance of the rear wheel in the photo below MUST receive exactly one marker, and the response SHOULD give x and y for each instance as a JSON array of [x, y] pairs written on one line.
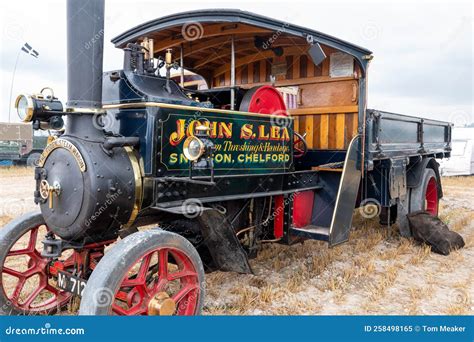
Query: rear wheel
[[426, 195], [153, 272]]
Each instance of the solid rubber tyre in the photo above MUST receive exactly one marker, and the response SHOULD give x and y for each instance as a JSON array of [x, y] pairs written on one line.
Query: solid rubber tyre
[[106, 279]]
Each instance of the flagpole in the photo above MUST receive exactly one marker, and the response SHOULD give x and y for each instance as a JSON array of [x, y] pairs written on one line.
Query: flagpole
[[11, 86]]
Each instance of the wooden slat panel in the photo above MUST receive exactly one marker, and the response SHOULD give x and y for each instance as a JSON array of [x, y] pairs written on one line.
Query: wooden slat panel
[[289, 67], [317, 69], [340, 93], [268, 69], [296, 67], [317, 131], [355, 123], [227, 78], [256, 72], [296, 122], [323, 110], [310, 67], [303, 66], [325, 67], [238, 75], [340, 130], [324, 135], [349, 126], [250, 73], [302, 125], [309, 131], [263, 72], [244, 75], [332, 131]]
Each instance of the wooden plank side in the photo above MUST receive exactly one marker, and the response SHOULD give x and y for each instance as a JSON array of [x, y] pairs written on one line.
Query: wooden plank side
[[332, 131], [268, 69], [263, 72], [317, 131], [244, 74], [324, 131], [355, 124], [289, 67], [296, 123], [296, 67], [238, 75], [340, 130], [256, 72], [301, 125], [250, 73], [303, 67], [348, 129], [323, 110], [310, 67], [227, 78], [309, 131]]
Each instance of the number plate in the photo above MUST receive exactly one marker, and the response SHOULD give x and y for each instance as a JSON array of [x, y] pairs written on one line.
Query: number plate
[[70, 283]]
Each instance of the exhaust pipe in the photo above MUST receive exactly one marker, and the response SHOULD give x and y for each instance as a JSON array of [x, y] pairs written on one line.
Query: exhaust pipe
[[85, 45]]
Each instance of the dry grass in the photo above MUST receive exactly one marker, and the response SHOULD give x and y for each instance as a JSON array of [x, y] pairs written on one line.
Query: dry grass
[[15, 171], [375, 272]]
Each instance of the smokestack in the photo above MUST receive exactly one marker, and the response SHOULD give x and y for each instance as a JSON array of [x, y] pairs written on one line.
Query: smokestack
[[85, 44]]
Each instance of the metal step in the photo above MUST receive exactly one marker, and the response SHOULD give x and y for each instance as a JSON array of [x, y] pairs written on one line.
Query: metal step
[[311, 232]]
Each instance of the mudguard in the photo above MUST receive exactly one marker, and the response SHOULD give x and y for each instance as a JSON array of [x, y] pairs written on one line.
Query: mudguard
[[222, 242]]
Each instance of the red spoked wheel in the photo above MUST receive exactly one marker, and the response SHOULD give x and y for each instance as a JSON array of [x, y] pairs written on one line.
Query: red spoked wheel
[[300, 147], [27, 285], [162, 282], [28, 281], [148, 273]]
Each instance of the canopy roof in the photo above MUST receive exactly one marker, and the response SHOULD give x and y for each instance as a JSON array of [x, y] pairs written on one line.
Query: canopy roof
[[205, 37]]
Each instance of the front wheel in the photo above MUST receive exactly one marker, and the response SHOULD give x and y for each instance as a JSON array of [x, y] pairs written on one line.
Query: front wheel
[[27, 285], [153, 272]]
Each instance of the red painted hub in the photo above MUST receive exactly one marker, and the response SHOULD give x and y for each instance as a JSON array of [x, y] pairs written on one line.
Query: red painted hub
[[264, 100], [163, 270], [431, 197], [33, 292]]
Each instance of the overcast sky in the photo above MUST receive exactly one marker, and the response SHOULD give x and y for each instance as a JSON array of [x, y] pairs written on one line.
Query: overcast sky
[[423, 51]]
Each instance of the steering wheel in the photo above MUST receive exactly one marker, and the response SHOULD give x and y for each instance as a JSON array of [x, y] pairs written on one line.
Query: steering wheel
[[300, 147]]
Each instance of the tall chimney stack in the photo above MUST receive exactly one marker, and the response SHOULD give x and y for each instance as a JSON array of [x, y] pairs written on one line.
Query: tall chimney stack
[[85, 45]]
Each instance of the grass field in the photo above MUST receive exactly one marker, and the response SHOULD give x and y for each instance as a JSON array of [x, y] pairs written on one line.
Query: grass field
[[376, 272]]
